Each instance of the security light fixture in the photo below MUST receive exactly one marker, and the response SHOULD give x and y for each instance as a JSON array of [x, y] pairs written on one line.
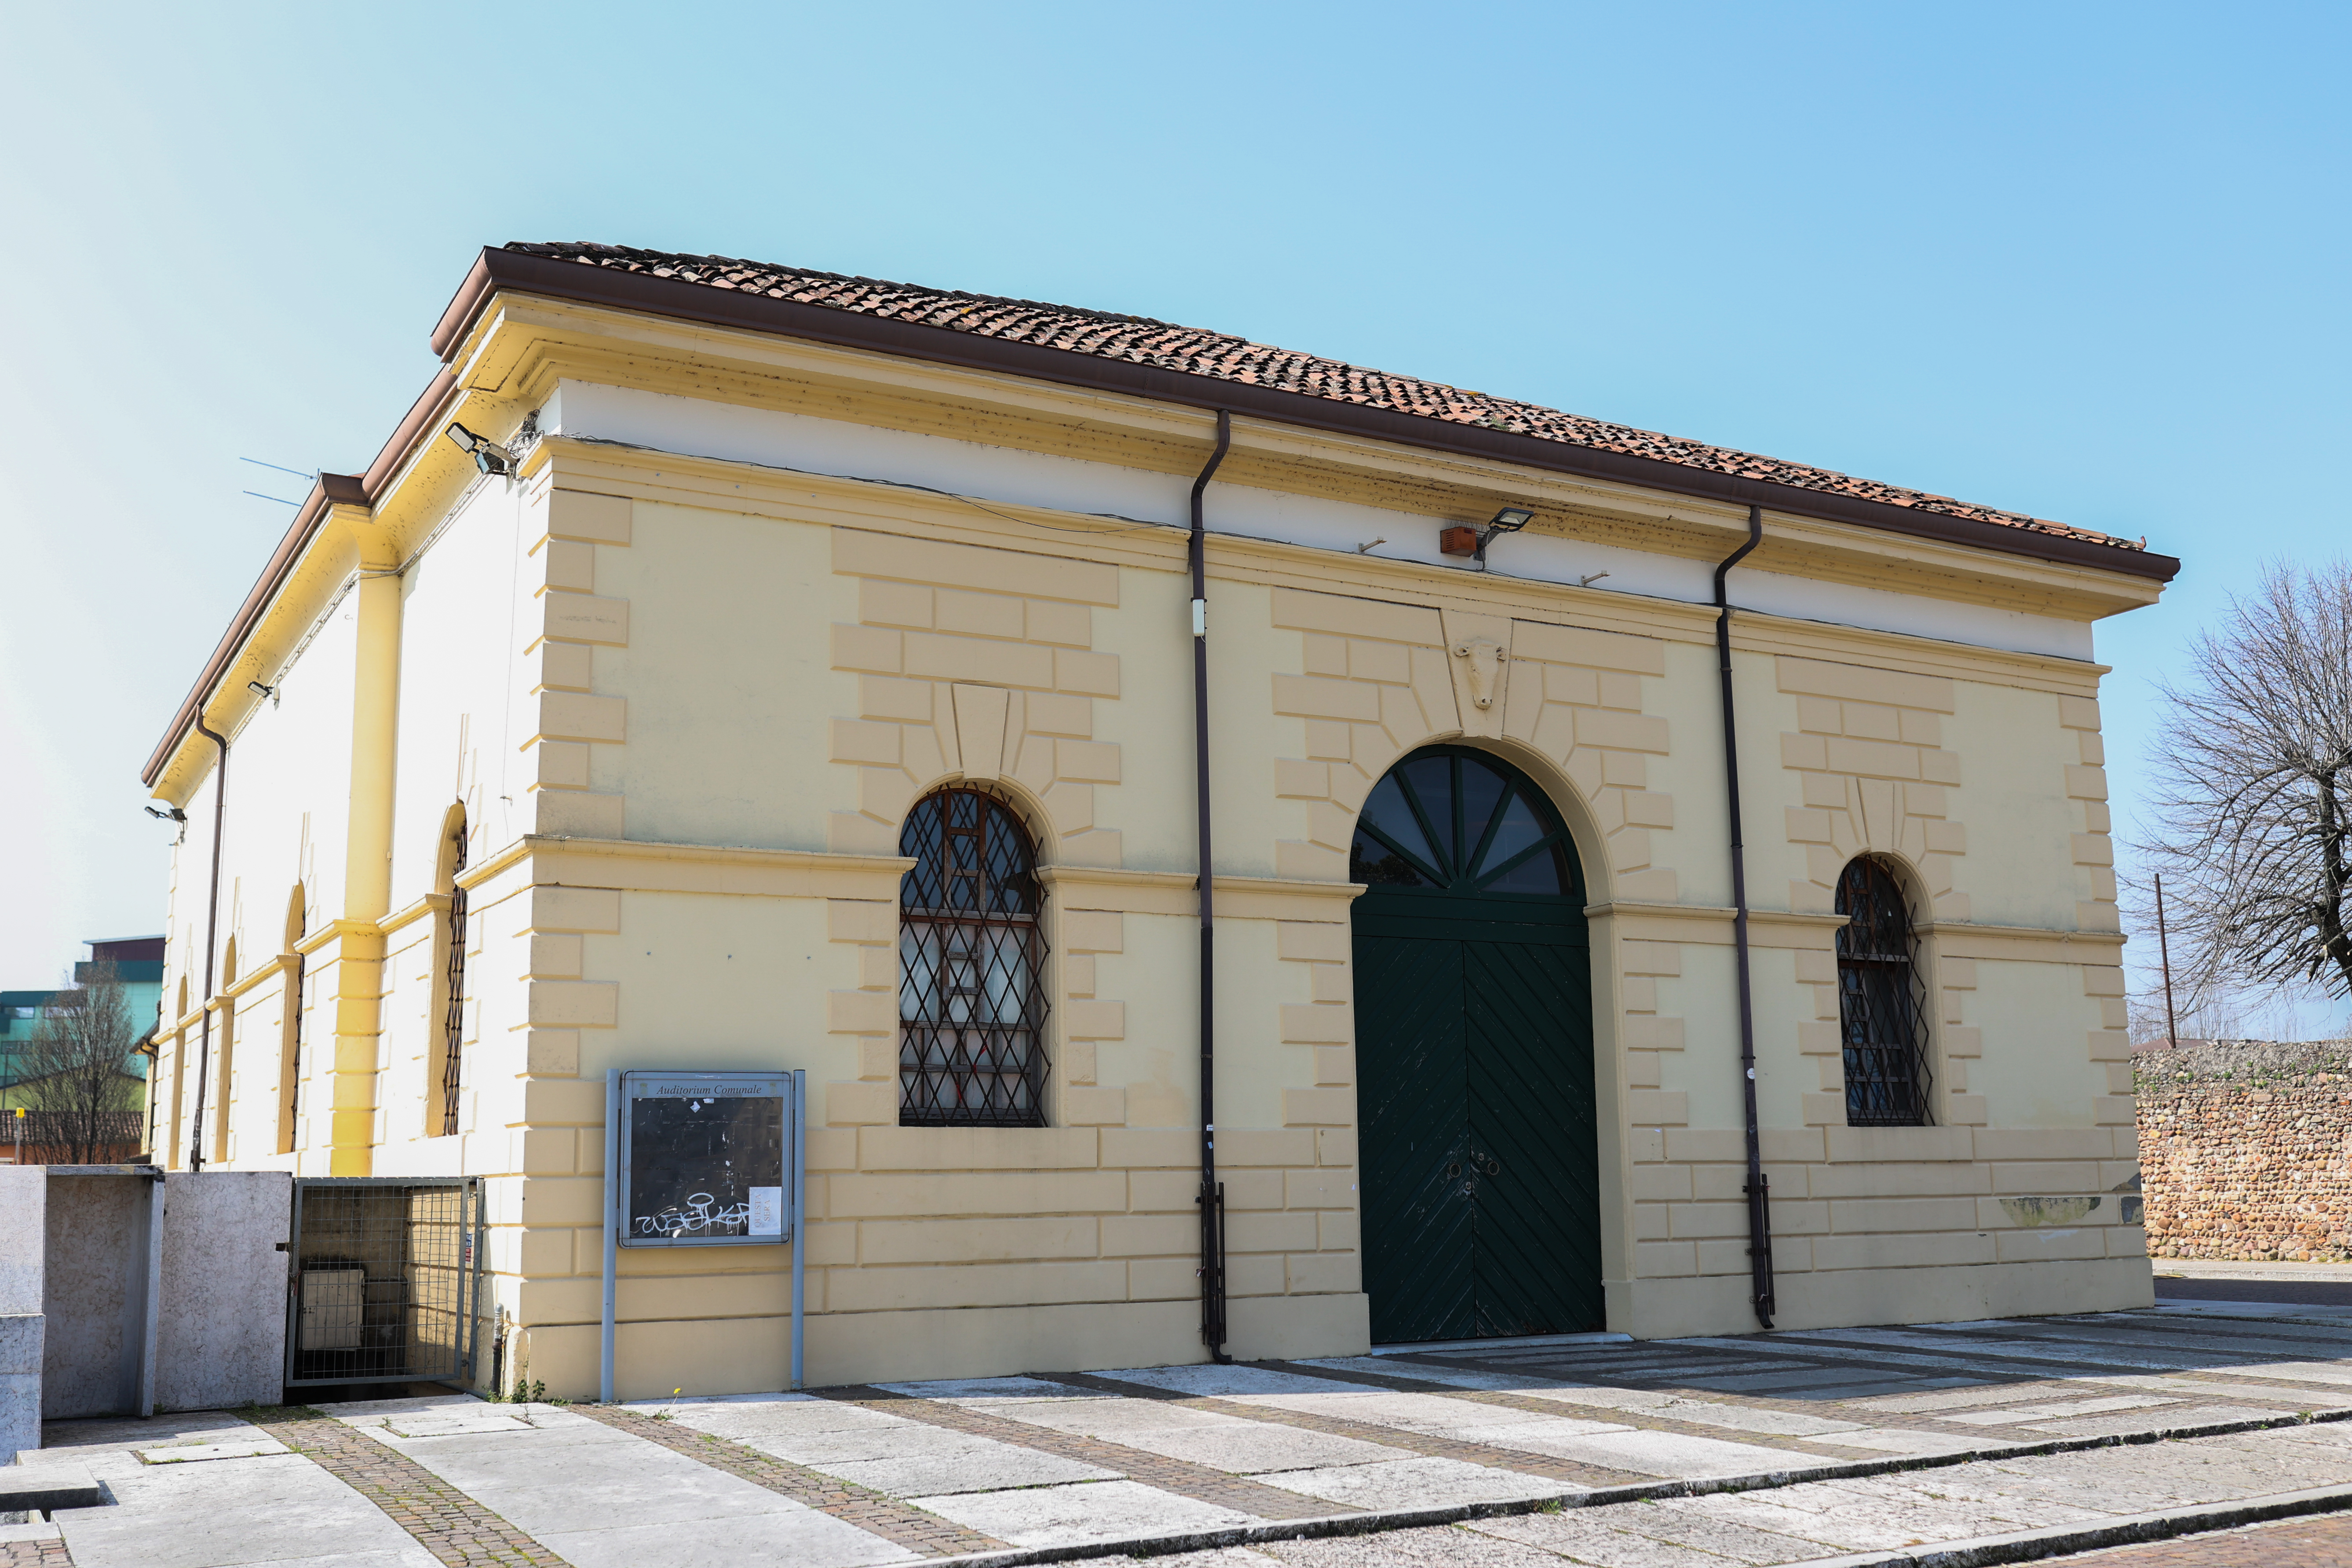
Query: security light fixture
[[488, 455], [1510, 519], [173, 813], [1473, 541], [268, 691]]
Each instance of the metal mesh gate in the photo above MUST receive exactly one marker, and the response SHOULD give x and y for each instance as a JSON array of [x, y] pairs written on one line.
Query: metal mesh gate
[[384, 1280]]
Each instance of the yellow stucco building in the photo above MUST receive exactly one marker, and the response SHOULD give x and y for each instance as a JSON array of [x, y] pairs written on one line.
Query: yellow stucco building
[[729, 667]]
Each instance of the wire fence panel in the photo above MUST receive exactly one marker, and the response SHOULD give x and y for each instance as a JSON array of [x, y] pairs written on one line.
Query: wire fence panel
[[384, 1281]]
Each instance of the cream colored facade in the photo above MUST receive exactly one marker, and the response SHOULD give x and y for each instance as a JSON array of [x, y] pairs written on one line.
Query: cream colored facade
[[749, 597]]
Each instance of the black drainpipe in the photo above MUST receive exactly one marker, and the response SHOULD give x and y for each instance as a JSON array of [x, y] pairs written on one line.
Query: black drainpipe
[[1759, 1217], [211, 924], [1212, 1192]]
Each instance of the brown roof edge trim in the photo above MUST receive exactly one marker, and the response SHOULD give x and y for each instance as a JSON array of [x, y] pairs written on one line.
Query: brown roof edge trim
[[458, 318], [413, 427], [498, 268]]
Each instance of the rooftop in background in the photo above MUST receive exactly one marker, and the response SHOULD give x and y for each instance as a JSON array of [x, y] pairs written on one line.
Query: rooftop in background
[[1191, 351], [137, 959], [138, 963], [121, 948]]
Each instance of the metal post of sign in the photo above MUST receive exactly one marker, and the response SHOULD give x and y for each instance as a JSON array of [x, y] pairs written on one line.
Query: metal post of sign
[[800, 1207], [612, 1216]]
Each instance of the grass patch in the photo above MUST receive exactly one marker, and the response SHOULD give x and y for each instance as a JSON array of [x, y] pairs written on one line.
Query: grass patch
[[262, 1414]]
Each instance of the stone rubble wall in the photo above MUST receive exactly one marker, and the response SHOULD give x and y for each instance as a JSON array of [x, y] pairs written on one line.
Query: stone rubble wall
[[2245, 1149]]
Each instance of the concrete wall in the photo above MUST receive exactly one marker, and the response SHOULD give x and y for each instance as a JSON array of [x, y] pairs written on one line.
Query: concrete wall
[[24, 1203], [78, 1262], [98, 1259], [222, 1338]]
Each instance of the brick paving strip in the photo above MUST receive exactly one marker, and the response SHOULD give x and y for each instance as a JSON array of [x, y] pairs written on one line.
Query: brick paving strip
[[877, 1513], [49, 1553], [445, 1522], [1554, 1470], [2323, 1542], [1202, 1483]]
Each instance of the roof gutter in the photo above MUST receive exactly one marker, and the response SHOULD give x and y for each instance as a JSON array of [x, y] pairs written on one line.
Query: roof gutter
[[495, 269], [330, 491], [212, 946]]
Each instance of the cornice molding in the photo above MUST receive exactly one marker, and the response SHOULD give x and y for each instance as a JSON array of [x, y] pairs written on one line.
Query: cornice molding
[[879, 507], [333, 932], [1128, 891], [633, 865], [712, 854], [429, 904], [473, 877]]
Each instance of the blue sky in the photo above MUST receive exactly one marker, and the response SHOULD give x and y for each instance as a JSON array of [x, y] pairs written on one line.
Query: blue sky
[[2083, 261]]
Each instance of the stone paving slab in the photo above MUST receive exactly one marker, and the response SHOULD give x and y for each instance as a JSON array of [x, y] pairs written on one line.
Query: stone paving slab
[[1172, 1478], [274, 1509], [1762, 1449], [602, 1497], [923, 1533], [1061, 1516]]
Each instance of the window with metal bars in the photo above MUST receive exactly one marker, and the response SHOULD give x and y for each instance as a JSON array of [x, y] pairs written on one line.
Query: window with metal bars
[[971, 997], [289, 1077], [1881, 1001], [453, 1021]]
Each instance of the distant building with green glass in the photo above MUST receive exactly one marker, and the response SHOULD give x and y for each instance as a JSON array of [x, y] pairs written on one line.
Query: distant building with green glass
[[138, 963]]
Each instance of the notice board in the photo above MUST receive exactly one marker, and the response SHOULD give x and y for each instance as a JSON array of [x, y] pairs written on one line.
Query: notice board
[[706, 1159]]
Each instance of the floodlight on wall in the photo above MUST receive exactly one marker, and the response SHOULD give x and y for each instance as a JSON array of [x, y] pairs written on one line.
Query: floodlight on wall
[[488, 455], [173, 813], [1473, 541], [269, 692]]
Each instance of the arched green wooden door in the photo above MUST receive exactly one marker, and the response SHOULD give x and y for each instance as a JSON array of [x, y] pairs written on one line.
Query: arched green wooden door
[[1474, 1046]]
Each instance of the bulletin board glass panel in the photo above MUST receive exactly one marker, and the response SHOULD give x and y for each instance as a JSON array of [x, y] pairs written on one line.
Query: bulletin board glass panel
[[704, 1159]]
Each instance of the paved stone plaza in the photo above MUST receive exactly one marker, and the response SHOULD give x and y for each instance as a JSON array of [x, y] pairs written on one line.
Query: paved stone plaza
[[2035, 1438]]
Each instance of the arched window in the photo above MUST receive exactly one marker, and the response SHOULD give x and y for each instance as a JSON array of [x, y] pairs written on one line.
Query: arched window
[[290, 1067], [972, 999], [223, 1058], [1880, 1001], [172, 1145], [453, 1008]]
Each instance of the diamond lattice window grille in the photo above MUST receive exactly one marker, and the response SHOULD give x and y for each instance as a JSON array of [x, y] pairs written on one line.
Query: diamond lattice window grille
[[971, 1002], [1882, 1010], [453, 1018]]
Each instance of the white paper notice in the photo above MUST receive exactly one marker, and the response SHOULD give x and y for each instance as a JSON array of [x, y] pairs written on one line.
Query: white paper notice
[[767, 1211]]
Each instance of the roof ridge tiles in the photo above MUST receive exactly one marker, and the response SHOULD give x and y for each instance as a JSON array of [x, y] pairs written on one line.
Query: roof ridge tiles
[[1222, 356]]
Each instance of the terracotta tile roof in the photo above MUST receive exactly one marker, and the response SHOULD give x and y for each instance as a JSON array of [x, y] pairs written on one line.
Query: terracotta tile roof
[[1220, 356]]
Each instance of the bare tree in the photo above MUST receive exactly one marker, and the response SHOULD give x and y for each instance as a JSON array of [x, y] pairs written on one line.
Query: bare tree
[[2254, 794], [71, 1075]]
